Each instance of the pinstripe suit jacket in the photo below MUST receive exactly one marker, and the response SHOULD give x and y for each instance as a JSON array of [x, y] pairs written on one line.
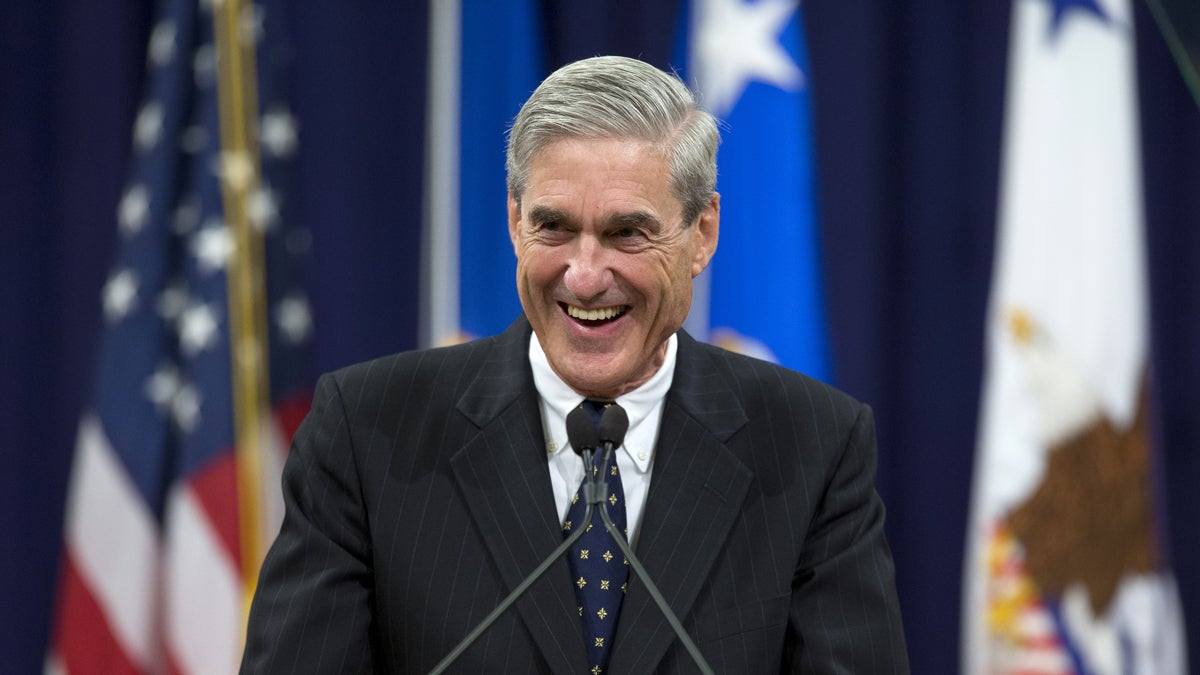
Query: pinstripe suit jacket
[[417, 495]]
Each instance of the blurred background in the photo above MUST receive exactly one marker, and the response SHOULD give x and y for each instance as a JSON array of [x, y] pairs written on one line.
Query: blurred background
[[907, 103]]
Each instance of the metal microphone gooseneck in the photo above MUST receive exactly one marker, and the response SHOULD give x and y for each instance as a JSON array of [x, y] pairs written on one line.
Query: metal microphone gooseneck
[[582, 435], [613, 425]]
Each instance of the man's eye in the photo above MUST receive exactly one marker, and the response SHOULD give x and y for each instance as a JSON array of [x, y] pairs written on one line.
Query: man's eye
[[627, 233], [550, 226]]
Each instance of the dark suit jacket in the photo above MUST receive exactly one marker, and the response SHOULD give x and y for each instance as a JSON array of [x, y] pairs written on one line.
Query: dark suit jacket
[[418, 495]]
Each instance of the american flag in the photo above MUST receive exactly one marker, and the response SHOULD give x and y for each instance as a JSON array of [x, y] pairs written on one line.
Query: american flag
[[202, 375]]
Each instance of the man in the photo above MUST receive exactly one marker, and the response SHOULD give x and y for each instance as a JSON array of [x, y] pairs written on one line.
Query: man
[[424, 486]]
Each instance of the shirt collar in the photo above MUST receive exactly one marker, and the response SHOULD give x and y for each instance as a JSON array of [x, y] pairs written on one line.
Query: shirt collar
[[643, 405]]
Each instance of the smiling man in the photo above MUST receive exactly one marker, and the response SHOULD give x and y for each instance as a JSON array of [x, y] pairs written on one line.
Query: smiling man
[[423, 487], [605, 259]]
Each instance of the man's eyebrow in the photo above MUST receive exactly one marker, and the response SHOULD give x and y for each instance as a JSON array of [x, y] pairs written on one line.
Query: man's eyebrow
[[546, 214], [634, 219]]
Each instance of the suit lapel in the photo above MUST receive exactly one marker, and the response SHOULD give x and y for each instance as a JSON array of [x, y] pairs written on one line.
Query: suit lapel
[[506, 486], [696, 494]]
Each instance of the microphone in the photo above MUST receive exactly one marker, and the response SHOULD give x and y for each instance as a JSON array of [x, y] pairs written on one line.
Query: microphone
[[613, 425], [583, 438], [581, 433]]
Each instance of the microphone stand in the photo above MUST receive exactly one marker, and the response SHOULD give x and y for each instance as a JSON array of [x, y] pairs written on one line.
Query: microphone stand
[[589, 490], [636, 564], [595, 492]]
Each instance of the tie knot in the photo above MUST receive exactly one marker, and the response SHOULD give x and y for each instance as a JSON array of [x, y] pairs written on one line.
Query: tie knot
[[595, 409]]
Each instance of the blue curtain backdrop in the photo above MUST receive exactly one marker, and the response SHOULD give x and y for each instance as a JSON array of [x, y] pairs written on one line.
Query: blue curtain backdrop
[[907, 108]]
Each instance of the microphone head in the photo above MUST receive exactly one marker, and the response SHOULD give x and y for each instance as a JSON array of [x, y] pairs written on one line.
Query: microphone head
[[581, 432], [613, 425]]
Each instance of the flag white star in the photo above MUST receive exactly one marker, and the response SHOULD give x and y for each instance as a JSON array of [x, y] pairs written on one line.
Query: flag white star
[[737, 43], [204, 66], [147, 129], [263, 208], [170, 395], [277, 132], [197, 329], [162, 43], [186, 216], [172, 301], [133, 210], [120, 295], [185, 408], [294, 318], [162, 386], [212, 245]]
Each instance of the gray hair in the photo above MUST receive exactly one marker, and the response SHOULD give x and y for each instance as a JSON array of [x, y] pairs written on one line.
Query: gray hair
[[619, 97]]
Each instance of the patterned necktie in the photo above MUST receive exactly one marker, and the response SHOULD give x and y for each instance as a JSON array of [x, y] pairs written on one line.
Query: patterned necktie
[[599, 569]]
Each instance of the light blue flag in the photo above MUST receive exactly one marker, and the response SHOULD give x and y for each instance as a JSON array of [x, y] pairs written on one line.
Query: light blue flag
[[502, 65], [764, 294], [486, 58]]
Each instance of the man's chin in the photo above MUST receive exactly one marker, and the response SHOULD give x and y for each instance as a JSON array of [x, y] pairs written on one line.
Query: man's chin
[[593, 375]]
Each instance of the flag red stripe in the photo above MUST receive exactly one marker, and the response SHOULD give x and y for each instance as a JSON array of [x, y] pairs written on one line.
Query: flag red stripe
[[83, 638], [290, 412], [173, 667], [215, 487]]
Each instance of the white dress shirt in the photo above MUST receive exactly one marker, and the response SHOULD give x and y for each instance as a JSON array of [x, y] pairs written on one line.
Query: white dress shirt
[[635, 457]]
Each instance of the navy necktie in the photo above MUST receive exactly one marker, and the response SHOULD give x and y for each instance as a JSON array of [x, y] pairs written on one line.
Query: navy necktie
[[598, 567]]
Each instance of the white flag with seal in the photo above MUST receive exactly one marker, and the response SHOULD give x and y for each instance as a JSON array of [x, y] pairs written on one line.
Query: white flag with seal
[[1065, 568]]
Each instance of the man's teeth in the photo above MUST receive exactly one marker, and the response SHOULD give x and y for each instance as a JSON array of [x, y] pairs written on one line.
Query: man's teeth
[[594, 314]]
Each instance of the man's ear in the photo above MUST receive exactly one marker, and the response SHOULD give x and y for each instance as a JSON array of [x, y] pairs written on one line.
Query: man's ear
[[708, 227], [514, 219]]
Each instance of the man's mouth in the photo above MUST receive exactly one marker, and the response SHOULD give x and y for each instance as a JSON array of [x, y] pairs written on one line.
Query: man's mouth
[[595, 316]]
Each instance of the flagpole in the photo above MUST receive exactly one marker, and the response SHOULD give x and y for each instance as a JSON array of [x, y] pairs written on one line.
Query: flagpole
[[1179, 50], [240, 172], [439, 313]]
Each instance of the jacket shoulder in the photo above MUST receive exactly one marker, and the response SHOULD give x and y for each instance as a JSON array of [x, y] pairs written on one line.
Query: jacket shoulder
[[413, 362], [772, 381], [435, 374], [762, 385]]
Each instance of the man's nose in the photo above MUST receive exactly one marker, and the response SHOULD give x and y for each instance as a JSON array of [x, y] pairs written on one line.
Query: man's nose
[[589, 271]]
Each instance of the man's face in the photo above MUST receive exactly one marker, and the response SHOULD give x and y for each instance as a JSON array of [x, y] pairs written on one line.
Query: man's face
[[604, 264]]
